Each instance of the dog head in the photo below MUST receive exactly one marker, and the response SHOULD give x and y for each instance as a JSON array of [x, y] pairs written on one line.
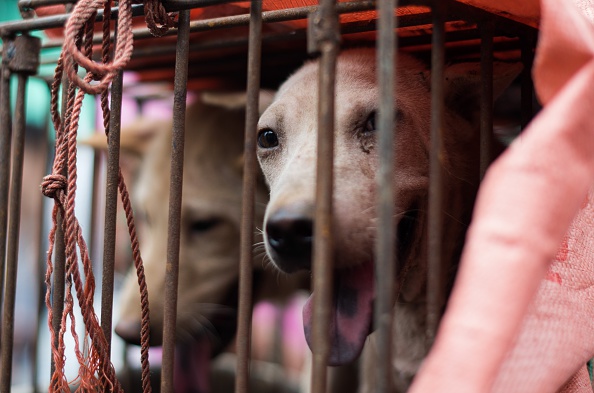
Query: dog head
[[210, 222], [287, 155]]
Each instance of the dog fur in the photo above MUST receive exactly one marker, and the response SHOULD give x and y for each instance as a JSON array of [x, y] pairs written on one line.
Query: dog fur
[[289, 168], [210, 230]]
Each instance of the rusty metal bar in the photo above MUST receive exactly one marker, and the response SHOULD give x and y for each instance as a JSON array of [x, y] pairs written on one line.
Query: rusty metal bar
[[324, 37], [527, 85], [40, 263], [32, 4], [486, 122], [434, 272], [111, 205], [385, 251], [47, 22], [169, 4], [282, 15], [175, 195], [250, 171], [13, 236], [5, 152]]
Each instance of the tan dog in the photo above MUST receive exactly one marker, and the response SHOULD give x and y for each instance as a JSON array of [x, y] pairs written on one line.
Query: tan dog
[[287, 154], [209, 250]]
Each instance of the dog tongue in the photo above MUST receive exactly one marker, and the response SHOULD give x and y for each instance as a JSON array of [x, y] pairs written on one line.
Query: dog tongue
[[192, 367], [350, 319]]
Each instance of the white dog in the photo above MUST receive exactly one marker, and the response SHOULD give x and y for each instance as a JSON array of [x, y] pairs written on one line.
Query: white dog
[[287, 155]]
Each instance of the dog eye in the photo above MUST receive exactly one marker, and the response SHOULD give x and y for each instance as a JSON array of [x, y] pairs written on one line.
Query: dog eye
[[370, 123], [200, 226], [267, 139]]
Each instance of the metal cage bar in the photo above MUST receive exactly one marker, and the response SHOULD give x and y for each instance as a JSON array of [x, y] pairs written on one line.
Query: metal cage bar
[[527, 85], [13, 235], [248, 199], [5, 152], [434, 269], [325, 39], [111, 206], [175, 195], [385, 263], [486, 121]]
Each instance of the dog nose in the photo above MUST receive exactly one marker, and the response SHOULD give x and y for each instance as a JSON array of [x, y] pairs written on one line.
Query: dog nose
[[129, 331], [289, 234]]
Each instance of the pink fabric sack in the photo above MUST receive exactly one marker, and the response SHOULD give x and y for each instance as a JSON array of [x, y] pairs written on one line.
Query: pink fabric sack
[[521, 319]]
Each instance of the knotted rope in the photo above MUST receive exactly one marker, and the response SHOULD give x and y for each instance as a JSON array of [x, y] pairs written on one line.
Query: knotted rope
[[96, 372]]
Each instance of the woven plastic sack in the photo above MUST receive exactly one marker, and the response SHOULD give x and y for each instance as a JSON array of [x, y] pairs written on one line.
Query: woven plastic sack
[[496, 334]]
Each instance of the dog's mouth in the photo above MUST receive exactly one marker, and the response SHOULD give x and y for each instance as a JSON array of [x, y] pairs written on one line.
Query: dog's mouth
[[352, 301]]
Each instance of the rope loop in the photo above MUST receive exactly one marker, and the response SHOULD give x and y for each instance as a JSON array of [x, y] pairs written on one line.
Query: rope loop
[[84, 11]]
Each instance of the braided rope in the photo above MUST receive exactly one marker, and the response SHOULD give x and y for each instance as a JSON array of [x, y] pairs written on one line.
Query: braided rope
[[96, 371]]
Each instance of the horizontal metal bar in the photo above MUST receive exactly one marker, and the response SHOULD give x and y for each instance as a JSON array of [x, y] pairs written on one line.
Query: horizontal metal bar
[[200, 25], [347, 28], [47, 22], [170, 5], [32, 4]]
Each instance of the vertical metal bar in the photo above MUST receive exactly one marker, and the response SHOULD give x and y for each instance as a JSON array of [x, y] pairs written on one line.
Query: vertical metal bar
[[323, 239], [40, 263], [177, 161], [486, 96], [248, 202], [5, 152], [434, 271], [13, 236], [111, 205], [59, 283], [527, 89], [385, 251]]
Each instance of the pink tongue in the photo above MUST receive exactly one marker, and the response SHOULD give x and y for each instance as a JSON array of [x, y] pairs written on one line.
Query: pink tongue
[[351, 313], [192, 367]]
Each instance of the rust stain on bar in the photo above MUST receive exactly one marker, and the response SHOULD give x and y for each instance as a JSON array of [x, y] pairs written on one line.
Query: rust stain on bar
[[177, 163], [385, 251], [248, 199], [13, 236], [434, 279], [486, 122]]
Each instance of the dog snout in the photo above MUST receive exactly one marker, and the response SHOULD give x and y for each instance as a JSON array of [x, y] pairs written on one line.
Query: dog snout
[[128, 330], [289, 232]]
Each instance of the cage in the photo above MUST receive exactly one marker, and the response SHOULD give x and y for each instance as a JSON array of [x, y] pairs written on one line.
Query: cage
[[172, 47]]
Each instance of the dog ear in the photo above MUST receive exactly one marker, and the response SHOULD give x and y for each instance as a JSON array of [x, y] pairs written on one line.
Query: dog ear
[[463, 85], [135, 140], [236, 100]]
